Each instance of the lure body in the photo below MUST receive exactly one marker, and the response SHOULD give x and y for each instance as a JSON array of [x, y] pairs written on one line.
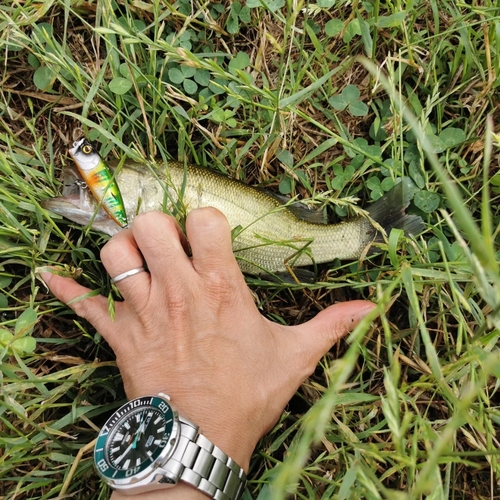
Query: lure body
[[99, 179]]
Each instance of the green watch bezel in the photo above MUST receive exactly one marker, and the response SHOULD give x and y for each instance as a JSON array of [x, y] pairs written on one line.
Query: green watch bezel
[[106, 469]]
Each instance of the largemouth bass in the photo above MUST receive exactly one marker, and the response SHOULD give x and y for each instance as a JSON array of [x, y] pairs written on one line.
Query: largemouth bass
[[269, 236]]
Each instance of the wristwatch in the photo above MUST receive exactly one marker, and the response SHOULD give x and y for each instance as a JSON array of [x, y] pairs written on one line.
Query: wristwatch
[[145, 445]]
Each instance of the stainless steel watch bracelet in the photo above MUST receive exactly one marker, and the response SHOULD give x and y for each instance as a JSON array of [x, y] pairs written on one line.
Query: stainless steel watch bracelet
[[200, 463]]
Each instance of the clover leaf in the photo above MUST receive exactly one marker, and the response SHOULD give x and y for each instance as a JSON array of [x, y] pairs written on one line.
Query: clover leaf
[[22, 345], [349, 98], [378, 188], [272, 5], [362, 143], [219, 115], [427, 201], [189, 78], [119, 85], [236, 14], [334, 27], [341, 176], [452, 137], [239, 62], [21, 341], [376, 191]]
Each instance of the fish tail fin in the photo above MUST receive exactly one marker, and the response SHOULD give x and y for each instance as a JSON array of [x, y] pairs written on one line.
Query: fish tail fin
[[389, 211]]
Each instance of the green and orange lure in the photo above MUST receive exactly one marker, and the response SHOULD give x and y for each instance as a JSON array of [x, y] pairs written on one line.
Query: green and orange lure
[[99, 179]]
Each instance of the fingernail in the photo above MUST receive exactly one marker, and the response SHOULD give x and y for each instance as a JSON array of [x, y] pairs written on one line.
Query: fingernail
[[363, 311], [46, 277]]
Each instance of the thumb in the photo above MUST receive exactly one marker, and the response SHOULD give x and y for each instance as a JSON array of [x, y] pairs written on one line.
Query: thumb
[[331, 324]]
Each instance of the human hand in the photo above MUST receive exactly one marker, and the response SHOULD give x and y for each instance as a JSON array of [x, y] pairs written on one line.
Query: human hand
[[189, 328]]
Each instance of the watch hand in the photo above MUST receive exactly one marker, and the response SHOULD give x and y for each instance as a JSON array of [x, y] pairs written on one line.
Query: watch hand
[[140, 430], [129, 447], [133, 444], [137, 436]]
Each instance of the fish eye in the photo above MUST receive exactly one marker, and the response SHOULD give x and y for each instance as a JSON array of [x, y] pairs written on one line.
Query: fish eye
[[87, 149]]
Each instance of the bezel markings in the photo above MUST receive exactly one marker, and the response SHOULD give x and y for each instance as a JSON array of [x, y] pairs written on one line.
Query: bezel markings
[[122, 476]]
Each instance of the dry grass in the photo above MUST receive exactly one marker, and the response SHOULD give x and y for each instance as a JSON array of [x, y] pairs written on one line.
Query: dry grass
[[412, 405]]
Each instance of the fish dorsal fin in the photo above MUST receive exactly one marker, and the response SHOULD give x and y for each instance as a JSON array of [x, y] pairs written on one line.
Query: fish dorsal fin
[[315, 216], [300, 210]]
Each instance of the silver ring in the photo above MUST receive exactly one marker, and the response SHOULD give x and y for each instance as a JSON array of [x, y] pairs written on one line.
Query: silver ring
[[126, 274]]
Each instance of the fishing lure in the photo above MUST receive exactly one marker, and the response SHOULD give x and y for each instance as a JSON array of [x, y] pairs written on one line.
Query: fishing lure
[[99, 179]]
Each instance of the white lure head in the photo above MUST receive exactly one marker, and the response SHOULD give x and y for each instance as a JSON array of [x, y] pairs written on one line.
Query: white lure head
[[84, 155]]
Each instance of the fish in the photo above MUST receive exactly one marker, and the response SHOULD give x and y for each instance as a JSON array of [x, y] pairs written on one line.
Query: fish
[[98, 177], [269, 236]]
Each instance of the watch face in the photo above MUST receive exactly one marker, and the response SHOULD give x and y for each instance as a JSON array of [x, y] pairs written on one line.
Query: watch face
[[136, 436]]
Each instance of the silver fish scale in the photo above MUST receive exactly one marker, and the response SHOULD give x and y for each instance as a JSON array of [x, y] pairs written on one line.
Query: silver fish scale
[[269, 237]]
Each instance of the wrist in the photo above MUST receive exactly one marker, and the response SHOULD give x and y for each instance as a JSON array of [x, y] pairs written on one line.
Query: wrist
[[233, 442], [230, 434], [236, 437], [148, 445]]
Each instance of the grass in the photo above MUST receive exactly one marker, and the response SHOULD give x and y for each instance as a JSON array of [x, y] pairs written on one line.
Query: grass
[[408, 406]]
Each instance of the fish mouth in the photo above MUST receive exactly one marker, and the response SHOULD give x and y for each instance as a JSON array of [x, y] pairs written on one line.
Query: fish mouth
[[77, 203], [70, 207]]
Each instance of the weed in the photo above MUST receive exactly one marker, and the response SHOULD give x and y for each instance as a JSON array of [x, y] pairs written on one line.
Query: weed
[[276, 94]]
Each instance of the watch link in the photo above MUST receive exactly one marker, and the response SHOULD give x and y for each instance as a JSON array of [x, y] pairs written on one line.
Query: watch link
[[145, 445]]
